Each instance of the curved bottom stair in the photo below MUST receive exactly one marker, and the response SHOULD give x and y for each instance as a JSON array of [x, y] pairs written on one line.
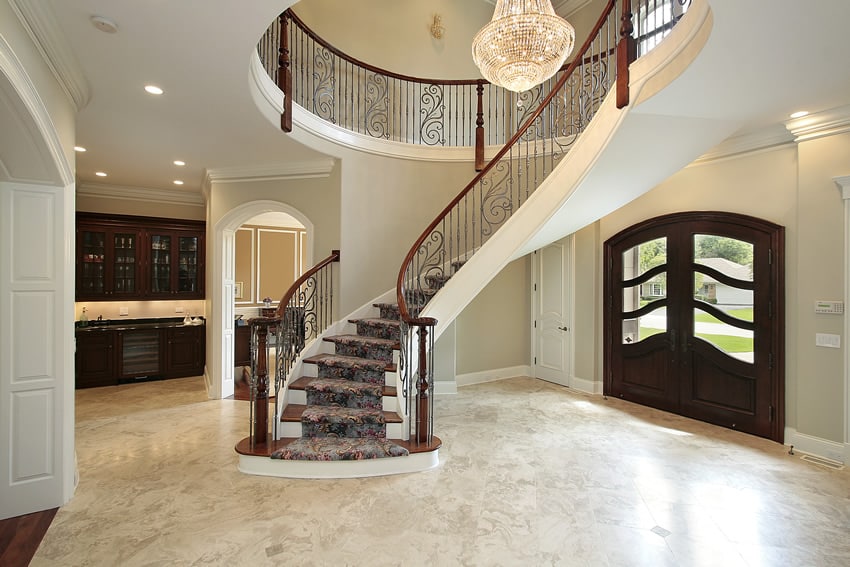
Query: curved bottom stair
[[343, 422]]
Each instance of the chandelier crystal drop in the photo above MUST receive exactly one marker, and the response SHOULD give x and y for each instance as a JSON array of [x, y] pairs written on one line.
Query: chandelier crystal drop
[[523, 45]]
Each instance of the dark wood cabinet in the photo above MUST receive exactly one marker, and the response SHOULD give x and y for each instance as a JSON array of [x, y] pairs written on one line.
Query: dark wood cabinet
[[110, 356], [95, 359], [184, 351], [242, 346], [139, 258]]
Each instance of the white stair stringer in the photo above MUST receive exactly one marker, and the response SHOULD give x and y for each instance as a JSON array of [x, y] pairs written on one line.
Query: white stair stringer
[[622, 154]]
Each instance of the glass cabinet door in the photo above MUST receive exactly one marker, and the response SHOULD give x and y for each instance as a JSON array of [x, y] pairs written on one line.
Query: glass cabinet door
[[124, 265], [92, 277], [187, 275], [160, 261]]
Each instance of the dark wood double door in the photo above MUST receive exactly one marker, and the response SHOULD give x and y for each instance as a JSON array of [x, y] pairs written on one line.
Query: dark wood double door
[[693, 319]]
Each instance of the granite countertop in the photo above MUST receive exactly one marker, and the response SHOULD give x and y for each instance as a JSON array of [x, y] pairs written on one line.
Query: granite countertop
[[127, 324]]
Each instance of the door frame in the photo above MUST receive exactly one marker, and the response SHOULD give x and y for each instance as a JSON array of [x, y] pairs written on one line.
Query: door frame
[[777, 309]]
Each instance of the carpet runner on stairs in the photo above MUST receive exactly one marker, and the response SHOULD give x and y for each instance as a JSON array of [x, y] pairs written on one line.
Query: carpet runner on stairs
[[344, 417]]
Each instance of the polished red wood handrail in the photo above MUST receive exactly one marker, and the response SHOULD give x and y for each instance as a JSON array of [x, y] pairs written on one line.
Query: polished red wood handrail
[[293, 289]]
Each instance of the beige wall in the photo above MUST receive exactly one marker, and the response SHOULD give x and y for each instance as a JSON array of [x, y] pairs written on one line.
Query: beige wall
[[791, 186], [494, 331], [350, 27]]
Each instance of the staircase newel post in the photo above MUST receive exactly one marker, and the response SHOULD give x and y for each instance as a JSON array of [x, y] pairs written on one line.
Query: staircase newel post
[[284, 74], [422, 401], [261, 401], [626, 54], [479, 128]]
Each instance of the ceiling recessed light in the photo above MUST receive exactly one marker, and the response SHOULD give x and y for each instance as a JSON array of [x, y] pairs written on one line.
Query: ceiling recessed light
[[79, 149], [178, 182], [799, 114], [179, 162], [100, 174], [153, 89]]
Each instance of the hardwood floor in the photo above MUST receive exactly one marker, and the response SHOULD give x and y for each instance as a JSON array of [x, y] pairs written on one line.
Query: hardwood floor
[[21, 536]]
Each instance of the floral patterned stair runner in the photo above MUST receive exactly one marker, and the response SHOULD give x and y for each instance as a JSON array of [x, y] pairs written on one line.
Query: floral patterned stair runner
[[344, 417]]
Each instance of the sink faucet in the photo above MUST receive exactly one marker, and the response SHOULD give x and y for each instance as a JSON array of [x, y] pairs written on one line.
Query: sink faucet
[[100, 317]]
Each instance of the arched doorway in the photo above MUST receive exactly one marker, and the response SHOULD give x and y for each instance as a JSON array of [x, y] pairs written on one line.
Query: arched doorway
[[220, 334], [694, 319]]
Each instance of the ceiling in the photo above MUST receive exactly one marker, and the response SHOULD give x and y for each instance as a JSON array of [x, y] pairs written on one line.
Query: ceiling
[[199, 51]]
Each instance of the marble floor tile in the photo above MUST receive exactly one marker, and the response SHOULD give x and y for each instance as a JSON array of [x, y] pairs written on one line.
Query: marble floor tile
[[530, 474]]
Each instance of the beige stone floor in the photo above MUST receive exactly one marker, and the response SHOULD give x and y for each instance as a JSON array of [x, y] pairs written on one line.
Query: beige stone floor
[[531, 474]]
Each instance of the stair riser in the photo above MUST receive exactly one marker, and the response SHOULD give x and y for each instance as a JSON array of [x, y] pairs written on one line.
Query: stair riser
[[388, 403], [389, 312], [349, 373], [372, 352], [378, 430], [379, 331], [293, 429], [344, 400]]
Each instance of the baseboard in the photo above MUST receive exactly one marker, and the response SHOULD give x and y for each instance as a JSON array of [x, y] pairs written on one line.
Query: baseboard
[[444, 387], [492, 375], [816, 446], [586, 386]]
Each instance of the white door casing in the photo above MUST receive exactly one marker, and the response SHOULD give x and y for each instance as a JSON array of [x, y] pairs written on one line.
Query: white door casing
[[552, 313]]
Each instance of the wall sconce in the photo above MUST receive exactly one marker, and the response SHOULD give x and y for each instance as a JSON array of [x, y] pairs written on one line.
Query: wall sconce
[[437, 28]]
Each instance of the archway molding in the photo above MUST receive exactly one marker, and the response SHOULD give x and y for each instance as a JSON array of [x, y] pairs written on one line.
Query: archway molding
[[220, 330]]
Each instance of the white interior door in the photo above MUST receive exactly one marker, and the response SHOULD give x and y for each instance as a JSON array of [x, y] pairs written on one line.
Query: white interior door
[[36, 384], [552, 320]]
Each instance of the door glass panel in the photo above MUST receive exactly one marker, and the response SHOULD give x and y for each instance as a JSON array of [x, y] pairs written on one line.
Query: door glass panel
[[729, 256], [160, 263], [638, 328], [92, 269], [187, 277], [732, 340], [645, 256], [124, 270]]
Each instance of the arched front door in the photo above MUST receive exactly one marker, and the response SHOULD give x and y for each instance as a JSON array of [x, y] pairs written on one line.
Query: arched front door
[[694, 319]]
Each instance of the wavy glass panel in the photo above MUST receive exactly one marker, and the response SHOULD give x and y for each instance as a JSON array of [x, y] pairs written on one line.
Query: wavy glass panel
[[733, 341], [639, 259], [640, 328]]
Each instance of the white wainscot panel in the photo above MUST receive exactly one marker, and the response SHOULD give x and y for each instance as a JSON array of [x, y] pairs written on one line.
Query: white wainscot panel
[[34, 224], [33, 336], [32, 435]]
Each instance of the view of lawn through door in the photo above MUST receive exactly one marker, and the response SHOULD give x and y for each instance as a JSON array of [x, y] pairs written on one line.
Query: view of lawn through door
[[718, 251]]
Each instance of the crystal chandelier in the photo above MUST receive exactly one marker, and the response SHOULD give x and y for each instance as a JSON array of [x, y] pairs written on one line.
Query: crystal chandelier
[[523, 45]]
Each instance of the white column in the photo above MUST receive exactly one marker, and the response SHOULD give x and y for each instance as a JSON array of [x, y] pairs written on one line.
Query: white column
[[844, 185]]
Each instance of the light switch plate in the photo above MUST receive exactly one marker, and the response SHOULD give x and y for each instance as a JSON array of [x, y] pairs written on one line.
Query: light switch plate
[[827, 340]]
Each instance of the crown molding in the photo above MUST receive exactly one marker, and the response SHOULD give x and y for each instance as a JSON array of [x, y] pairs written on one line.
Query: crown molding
[[301, 170], [820, 124], [747, 142], [48, 37], [128, 193]]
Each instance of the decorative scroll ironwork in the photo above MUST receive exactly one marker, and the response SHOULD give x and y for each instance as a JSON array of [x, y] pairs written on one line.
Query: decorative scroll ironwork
[[376, 116], [303, 313], [432, 116], [324, 80]]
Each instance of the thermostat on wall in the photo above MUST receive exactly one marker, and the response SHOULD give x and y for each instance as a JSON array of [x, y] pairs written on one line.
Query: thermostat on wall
[[834, 307]]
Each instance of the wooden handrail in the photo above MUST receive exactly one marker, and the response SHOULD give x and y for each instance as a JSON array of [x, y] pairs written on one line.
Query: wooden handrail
[[402, 303], [284, 301]]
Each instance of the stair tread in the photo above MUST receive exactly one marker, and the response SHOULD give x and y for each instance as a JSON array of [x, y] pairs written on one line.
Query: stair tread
[[353, 360], [377, 321], [293, 413], [301, 384]]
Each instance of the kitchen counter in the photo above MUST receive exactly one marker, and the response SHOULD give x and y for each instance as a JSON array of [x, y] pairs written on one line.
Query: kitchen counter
[[127, 324]]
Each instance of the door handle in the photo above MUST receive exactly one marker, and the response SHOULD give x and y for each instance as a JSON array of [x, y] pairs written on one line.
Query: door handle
[[564, 328]]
